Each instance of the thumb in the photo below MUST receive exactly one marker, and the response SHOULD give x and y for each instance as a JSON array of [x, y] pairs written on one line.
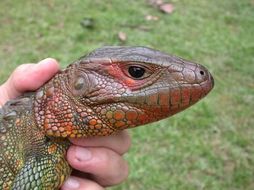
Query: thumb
[[28, 77]]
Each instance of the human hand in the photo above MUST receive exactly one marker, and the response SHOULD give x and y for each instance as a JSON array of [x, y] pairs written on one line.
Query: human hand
[[97, 161]]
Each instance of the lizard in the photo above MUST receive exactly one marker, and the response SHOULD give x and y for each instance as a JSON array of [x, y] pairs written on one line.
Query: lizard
[[110, 89]]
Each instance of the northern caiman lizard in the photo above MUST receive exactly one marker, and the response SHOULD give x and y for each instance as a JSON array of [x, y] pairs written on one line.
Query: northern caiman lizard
[[110, 89]]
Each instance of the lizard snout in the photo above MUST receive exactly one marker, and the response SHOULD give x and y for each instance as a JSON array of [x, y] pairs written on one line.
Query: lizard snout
[[203, 75]]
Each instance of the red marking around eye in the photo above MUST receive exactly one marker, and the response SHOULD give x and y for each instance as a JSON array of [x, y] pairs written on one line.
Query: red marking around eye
[[129, 82], [114, 70], [117, 73]]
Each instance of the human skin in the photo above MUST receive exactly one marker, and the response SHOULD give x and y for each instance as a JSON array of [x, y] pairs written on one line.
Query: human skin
[[101, 157]]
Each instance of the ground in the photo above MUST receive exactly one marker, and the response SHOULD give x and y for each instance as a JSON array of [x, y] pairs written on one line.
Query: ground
[[209, 146]]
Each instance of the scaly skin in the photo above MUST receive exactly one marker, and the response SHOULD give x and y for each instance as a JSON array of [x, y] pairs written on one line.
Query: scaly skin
[[110, 89]]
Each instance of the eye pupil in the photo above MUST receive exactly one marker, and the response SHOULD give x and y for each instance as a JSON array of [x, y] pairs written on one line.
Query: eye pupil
[[136, 72]]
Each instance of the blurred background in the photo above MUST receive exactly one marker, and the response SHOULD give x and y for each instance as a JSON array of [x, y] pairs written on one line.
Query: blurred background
[[209, 146]]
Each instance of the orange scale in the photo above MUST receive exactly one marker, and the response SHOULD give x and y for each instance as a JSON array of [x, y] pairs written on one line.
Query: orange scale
[[131, 115], [93, 122], [52, 149], [98, 126], [119, 114], [119, 124], [68, 128], [47, 126], [61, 129]]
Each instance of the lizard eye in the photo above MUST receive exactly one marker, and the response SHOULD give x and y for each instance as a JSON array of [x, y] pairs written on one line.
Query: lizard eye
[[137, 72]]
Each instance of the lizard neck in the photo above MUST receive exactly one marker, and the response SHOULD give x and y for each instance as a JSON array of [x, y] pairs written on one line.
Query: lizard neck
[[58, 114], [48, 101]]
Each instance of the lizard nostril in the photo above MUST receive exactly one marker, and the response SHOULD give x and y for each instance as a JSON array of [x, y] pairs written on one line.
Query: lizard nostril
[[202, 74]]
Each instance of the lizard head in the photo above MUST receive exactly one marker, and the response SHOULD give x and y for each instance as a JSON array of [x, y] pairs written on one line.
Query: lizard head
[[114, 88]]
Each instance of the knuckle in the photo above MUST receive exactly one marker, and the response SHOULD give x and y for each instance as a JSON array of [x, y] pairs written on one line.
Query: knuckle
[[92, 186], [126, 139], [124, 171], [20, 69], [75, 182], [17, 77], [106, 156], [120, 174], [115, 167]]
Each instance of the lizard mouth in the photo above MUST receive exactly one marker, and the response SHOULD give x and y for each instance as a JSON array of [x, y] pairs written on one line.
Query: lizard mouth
[[211, 79], [187, 92]]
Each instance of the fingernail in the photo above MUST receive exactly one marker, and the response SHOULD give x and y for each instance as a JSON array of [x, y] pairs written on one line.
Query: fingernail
[[46, 61], [82, 154], [71, 183]]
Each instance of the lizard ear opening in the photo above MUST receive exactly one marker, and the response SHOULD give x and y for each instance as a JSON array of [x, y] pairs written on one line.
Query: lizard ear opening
[[79, 85]]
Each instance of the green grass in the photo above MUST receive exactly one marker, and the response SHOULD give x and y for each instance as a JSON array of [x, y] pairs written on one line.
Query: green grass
[[211, 145]]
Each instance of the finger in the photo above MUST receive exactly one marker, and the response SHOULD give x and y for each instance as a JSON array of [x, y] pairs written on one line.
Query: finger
[[28, 77], [105, 166], [76, 183], [119, 142]]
